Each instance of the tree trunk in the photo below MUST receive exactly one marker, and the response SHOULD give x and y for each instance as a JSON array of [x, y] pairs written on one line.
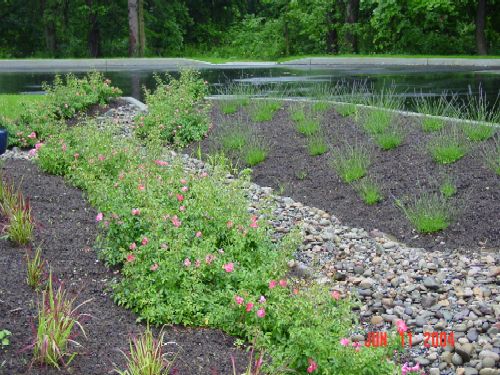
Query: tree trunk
[[94, 39], [332, 40], [133, 24], [480, 21], [351, 17], [49, 28], [142, 34]]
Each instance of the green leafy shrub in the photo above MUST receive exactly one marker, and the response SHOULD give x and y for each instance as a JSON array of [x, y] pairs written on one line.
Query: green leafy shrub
[[369, 191], [428, 213], [317, 145], [177, 110], [263, 110], [351, 162], [448, 146]]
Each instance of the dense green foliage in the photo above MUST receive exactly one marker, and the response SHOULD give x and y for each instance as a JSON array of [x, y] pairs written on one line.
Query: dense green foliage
[[246, 28], [190, 253]]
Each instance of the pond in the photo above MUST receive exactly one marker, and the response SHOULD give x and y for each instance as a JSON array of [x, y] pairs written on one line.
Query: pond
[[407, 81]]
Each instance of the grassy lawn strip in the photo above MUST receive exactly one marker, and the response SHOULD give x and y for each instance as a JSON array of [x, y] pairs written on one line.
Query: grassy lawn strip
[[12, 106]]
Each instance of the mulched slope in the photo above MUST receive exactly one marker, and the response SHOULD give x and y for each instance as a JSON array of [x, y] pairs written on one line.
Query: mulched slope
[[404, 171], [66, 227]]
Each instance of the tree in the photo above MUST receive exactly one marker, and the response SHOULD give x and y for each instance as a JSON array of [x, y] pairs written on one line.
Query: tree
[[137, 39], [351, 18], [480, 21]]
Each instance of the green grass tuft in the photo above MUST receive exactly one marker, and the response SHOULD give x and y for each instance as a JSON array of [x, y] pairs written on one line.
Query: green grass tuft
[[317, 145], [447, 147], [448, 188], [491, 155], [255, 152], [478, 133], [233, 138], [321, 106], [429, 213], [308, 127], [369, 191], [389, 139], [377, 121], [430, 124], [263, 110], [351, 162], [346, 110]]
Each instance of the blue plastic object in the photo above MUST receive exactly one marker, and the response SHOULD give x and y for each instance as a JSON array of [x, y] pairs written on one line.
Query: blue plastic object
[[3, 140]]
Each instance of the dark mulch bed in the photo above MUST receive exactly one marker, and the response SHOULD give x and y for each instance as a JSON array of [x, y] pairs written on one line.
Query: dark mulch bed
[[406, 170], [66, 228]]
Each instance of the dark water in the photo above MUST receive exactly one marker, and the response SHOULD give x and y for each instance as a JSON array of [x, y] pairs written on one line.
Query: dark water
[[407, 81]]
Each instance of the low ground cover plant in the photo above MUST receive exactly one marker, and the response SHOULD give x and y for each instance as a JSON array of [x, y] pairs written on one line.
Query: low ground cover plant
[[429, 212], [317, 145], [321, 106], [308, 126], [448, 188], [264, 110], [234, 137], [448, 146], [177, 110], [297, 112], [255, 152], [390, 138], [478, 132], [351, 161], [377, 121], [57, 320], [432, 124]]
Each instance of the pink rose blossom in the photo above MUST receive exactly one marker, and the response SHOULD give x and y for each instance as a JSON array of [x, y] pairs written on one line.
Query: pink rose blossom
[[76, 155], [295, 291], [32, 152], [229, 224], [272, 284], [401, 326], [132, 246], [141, 187], [184, 188], [262, 299], [136, 211], [197, 264], [64, 147], [183, 181], [187, 262], [335, 295], [209, 258], [249, 307], [229, 267], [130, 258], [175, 221], [182, 208], [101, 157], [180, 197], [356, 345], [198, 234], [283, 283], [38, 146], [239, 300], [32, 135], [145, 241], [154, 267], [312, 366], [254, 224], [344, 342], [161, 163], [261, 312], [99, 217]]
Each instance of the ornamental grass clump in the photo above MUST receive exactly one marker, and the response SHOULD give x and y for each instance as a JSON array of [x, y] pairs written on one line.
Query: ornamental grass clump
[[255, 152], [351, 161], [390, 138], [317, 145], [308, 126], [228, 106], [369, 191], [448, 146], [16, 208], [297, 112], [234, 138], [432, 124], [35, 267], [491, 155], [448, 188], [478, 132], [321, 106], [264, 110], [55, 327], [429, 212], [146, 356], [377, 121], [346, 110]]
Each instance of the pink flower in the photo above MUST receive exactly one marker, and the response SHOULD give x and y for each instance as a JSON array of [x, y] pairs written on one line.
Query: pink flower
[[344, 341], [136, 211], [254, 224], [258, 363], [32, 152], [183, 181], [335, 295], [38, 146], [356, 345], [262, 299], [312, 366], [182, 208], [184, 188], [130, 258], [175, 221], [261, 312], [64, 147], [132, 246], [180, 197], [272, 284], [145, 241], [32, 135], [101, 157], [197, 264], [229, 267], [229, 224], [239, 300], [76, 155], [154, 267], [249, 307], [99, 217], [283, 283], [209, 258], [295, 291], [161, 163], [401, 326], [406, 368], [198, 234], [141, 187], [187, 262]]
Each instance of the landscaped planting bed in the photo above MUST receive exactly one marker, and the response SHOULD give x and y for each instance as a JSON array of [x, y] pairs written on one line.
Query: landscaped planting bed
[[307, 153]]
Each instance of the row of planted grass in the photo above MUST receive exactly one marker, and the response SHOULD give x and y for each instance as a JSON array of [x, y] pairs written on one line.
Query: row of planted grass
[[189, 252]]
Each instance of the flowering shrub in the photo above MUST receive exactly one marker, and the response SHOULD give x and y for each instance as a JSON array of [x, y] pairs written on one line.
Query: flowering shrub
[[191, 254], [177, 110]]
